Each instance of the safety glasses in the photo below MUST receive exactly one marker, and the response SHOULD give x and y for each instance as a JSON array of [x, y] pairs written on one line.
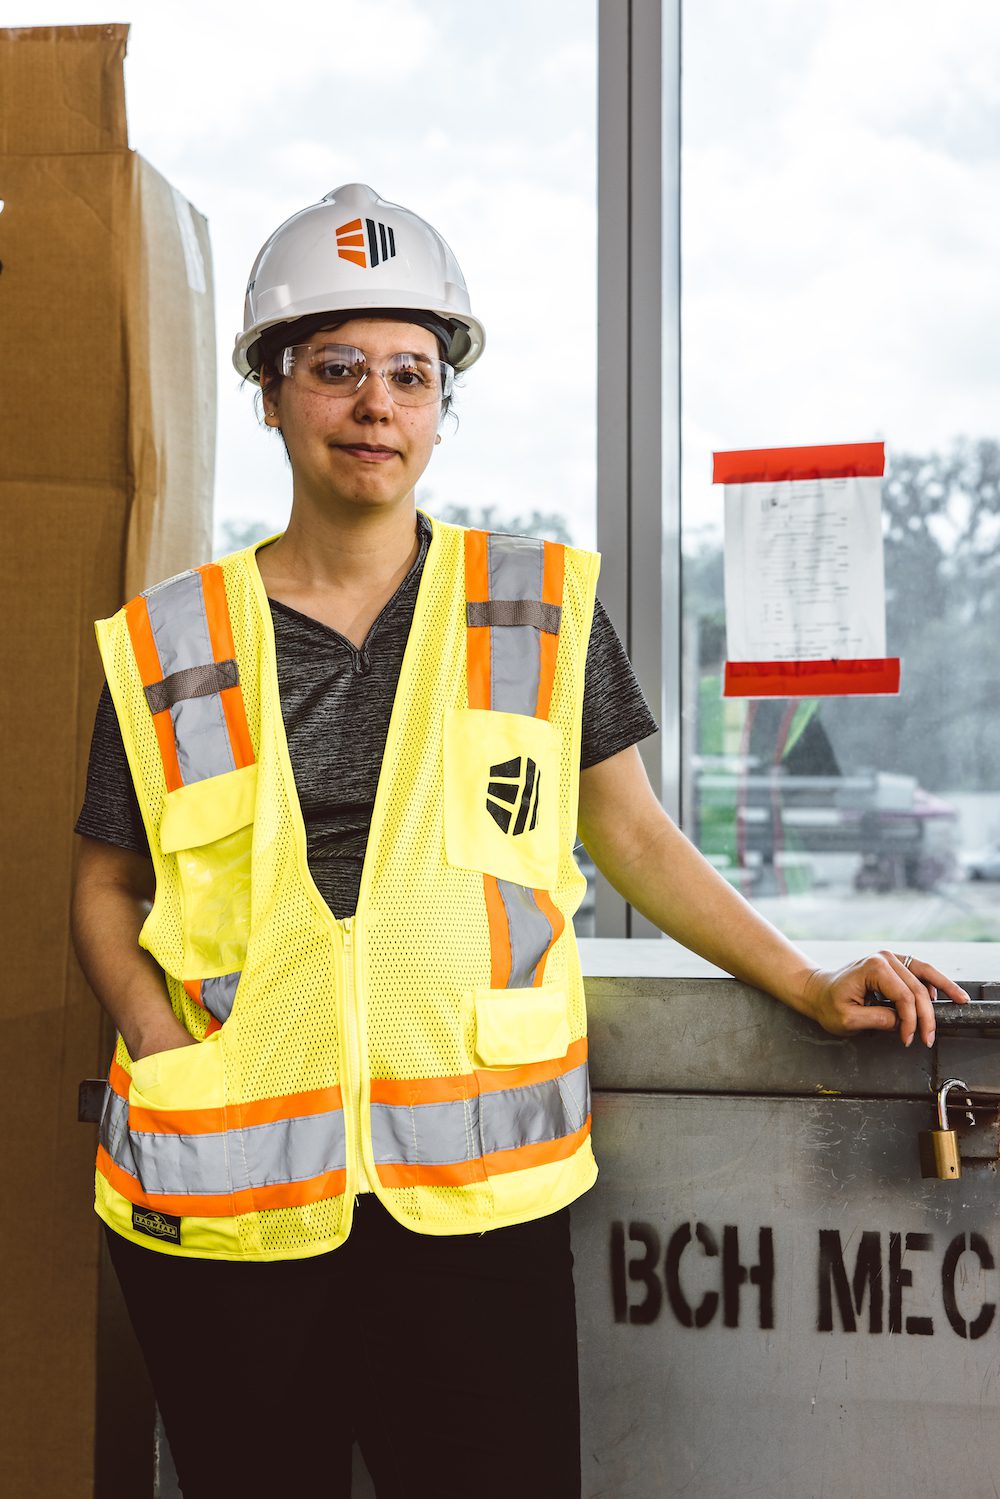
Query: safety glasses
[[340, 370]]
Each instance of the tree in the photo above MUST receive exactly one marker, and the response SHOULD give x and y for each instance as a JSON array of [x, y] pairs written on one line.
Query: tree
[[941, 517], [233, 535], [548, 524]]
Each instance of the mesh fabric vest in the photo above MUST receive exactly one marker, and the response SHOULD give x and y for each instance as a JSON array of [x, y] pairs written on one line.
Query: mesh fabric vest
[[435, 1042]]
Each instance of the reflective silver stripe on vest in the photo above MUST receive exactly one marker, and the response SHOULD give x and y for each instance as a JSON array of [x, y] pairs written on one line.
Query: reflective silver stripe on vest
[[530, 933], [426, 1134], [536, 1114], [180, 629], [441, 1134], [516, 571], [203, 747], [180, 624], [217, 995], [114, 1123], [258, 1155]]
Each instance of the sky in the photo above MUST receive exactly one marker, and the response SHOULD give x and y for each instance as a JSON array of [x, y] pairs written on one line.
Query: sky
[[486, 130], [841, 229]]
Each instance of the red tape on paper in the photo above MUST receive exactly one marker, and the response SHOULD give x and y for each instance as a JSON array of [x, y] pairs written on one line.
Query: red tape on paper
[[853, 678], [839, 460]]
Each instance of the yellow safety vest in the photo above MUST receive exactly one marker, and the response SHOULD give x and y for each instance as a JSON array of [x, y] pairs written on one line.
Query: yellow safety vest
[[438, 1036]]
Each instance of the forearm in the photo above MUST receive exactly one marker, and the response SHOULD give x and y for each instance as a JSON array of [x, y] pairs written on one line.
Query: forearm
[[675, 887], [107, 918], [648, 859]]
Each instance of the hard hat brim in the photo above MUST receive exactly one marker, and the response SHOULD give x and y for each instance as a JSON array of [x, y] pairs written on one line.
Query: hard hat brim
[[247, 348]]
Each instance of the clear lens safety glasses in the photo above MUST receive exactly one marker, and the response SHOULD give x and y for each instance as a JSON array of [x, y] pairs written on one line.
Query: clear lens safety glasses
[[339, 370]]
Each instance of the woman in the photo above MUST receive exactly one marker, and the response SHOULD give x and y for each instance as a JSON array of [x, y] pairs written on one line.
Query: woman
[[349, 1105]]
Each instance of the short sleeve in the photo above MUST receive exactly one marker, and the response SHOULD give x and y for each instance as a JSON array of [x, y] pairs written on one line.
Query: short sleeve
[[615, 712], [110, 809]]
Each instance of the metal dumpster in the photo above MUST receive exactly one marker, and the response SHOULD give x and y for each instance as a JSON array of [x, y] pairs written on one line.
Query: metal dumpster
[[772, 1300]]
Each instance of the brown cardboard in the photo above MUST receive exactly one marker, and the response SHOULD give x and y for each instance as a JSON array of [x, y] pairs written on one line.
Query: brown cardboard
[[63, 89], [106, 462]]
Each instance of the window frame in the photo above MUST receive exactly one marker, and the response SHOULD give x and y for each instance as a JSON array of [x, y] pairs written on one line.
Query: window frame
[[638, 419]]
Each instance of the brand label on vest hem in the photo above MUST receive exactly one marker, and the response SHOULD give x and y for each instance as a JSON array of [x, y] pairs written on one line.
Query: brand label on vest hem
[[156, 1225]]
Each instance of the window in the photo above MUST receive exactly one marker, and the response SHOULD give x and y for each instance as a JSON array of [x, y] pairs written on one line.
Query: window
[[839, 245]]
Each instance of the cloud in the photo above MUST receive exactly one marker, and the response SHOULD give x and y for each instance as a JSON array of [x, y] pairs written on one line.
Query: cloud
[[841, 176], [483, 122], [839, 247], [202, 74]]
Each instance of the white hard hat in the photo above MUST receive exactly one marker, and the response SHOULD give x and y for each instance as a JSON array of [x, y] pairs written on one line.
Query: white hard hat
[[354, 252]]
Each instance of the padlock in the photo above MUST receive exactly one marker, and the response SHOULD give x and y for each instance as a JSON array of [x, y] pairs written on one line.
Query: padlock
[[939, 1156]]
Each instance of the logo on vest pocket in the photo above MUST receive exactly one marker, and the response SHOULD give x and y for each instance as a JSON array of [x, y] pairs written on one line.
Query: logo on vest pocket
[[156, 1225], [512, 795]]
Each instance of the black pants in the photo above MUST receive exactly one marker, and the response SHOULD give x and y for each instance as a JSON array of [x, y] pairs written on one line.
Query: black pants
[[451, 1360]]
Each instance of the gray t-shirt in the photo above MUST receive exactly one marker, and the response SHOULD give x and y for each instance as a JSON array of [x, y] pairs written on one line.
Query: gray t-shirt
[[335, 703]]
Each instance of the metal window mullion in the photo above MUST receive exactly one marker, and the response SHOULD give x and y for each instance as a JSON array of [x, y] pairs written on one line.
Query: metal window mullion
[[614, 343], [670, 409], [639, 333]]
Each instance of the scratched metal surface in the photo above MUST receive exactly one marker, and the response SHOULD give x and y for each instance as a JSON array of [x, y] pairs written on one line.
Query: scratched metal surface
[[716, 1035], [804, 1407]]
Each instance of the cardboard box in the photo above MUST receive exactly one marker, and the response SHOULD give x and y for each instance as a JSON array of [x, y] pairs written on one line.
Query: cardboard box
[[107, 437]]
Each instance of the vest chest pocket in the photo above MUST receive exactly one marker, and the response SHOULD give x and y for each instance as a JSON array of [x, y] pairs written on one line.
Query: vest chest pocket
[[501, 795], [518, 1026], [208, 827]]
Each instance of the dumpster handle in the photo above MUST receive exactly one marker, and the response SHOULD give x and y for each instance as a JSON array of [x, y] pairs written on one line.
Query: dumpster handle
[[977, 1014]]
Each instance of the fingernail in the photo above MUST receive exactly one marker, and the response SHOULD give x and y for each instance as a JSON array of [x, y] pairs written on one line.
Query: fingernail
[[908, 1041], [967, 995], [930, 1039]]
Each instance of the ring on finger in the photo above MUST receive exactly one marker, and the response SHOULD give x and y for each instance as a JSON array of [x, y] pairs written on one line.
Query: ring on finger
[[907, 960]]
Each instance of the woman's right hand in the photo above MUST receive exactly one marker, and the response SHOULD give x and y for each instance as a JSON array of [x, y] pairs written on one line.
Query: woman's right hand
[[169, 1035], [111, 900]]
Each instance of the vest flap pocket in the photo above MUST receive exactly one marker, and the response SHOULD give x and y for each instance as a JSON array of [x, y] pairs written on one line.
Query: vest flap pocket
[[501, 795], [209, 827], [514, 1026], [185, 1077], [177, 1118], [208, 810]]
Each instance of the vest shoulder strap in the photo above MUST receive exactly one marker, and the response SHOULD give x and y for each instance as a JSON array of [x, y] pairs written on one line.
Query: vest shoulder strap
[[514, 594], [182, 639]]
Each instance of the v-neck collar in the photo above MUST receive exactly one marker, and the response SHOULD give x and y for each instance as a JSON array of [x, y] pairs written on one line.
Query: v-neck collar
[[359, 652]]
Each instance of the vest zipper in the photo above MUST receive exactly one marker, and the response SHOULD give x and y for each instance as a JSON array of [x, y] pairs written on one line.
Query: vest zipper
[[355, 1090]]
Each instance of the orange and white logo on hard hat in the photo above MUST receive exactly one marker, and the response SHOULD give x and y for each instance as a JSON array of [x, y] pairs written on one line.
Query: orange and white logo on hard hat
[[351, 242]]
